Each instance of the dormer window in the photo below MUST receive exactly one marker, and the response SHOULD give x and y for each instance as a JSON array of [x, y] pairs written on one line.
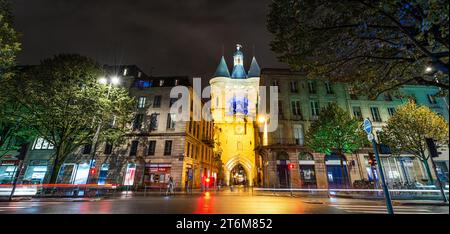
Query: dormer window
[[125, 71], [177, 82], [161, 83]]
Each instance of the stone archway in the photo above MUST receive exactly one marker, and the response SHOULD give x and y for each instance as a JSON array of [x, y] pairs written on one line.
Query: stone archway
[[235, 161]]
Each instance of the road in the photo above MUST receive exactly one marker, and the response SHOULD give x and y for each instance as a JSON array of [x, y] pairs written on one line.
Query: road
[[211, 203]]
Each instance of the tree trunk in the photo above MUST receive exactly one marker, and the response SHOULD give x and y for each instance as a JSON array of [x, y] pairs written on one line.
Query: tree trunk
[[427, 167]]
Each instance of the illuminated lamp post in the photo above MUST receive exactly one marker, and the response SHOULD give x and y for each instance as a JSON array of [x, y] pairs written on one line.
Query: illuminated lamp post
[[114, 80]]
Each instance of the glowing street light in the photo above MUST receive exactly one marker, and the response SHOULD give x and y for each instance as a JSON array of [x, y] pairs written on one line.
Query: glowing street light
[[103, 80], [262, 119], [115, 80], [428, 69]]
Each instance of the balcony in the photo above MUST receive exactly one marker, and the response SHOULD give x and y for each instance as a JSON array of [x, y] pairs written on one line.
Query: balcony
[[285, 141]]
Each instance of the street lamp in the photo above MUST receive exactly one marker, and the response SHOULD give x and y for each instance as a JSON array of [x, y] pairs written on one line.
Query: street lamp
[[110, 82], [262, 119], [428, 69]]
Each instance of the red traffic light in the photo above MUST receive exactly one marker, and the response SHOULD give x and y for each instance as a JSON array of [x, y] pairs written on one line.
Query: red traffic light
[[93, 171], [207, 180], [291, 166]]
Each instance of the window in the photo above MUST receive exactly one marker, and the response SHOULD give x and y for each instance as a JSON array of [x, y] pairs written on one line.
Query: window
[[357, 113], [157, 101], [329, 88], [87, 149], [172, 101], [108, 148], [161, 83], [137, 124], [296, 109], [134, 147], [294, 86], [315, 108], [280, 108], [168, 148], [42, 144], [375, 114], [298, 135], [189, 149], [153, 122], [312, 87], [139, 74], [170, 121], [125, 71], [177, 82], [141, 102], [151, 148], [431, 99], [391, 111]]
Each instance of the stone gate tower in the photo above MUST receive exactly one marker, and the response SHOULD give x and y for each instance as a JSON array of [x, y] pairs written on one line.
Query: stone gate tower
[[234, 107]]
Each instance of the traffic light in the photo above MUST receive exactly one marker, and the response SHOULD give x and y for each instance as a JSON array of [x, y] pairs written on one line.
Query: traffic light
[[22, 151], [372, 159], [93, 171], [291, 166], [432, 148]]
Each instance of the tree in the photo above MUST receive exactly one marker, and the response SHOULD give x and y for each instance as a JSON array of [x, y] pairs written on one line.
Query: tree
[[63, 102], [335, 132], [406, 131], [377, 45], [9, 45], [12, 131]]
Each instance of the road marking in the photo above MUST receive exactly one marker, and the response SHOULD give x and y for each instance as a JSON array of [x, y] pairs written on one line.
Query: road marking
[[378, 209], [13, 207]]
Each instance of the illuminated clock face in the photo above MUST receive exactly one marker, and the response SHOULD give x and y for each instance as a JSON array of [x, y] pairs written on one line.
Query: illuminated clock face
[[238, 105]]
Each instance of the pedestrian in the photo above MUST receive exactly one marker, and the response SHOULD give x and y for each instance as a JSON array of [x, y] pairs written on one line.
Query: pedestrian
[[170, 187]]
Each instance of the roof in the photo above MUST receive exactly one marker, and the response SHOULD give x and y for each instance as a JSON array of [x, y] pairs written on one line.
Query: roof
[[222, 69], [255, 70], [239, 72]]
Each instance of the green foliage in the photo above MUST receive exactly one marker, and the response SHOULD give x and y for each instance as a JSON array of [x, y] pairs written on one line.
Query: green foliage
[[411, 124], [9, 45], [406, 131], [375, 45], [63, 102], [335, 131]]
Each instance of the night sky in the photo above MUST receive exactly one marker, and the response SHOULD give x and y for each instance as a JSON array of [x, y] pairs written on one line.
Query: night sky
[[163, 37]]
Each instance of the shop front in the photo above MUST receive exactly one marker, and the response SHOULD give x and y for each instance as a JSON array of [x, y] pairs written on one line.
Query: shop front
[[157, 175], [8, 169], [35, 172]]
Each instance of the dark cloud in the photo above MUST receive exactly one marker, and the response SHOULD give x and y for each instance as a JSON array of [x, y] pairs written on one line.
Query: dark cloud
[[170, 37]]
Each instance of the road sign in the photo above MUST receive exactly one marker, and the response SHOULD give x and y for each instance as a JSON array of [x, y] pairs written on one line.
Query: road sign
[[370, 137], [367, 126]]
